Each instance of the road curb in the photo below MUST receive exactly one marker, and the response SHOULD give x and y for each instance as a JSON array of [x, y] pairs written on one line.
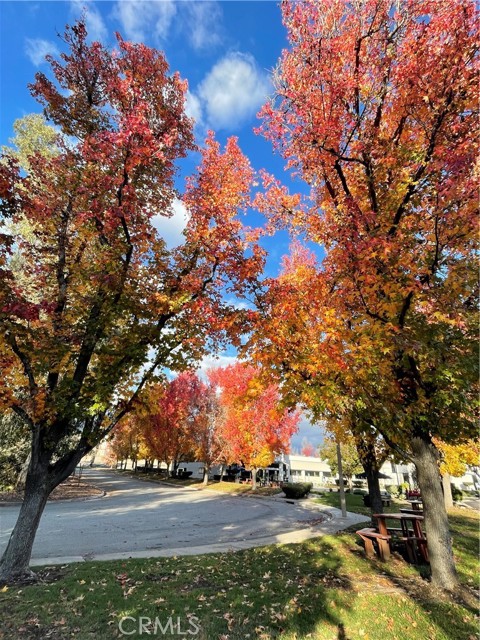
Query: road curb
[[86, 499]]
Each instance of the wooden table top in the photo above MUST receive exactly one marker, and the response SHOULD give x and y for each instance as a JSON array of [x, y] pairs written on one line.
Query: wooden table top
[[398, 516]]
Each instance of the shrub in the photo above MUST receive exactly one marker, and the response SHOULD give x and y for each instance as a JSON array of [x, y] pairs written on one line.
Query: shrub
[[297, 490], [403, 488], [456, 493], [393, 489]]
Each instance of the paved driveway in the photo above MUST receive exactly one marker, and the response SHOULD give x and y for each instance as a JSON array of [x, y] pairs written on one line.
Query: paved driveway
[[138, 518]]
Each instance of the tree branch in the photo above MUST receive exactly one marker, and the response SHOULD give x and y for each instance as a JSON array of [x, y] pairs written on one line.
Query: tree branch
[[20, 411], [62, 281], [27, 367], [395, 447], [421, 169], [405, 308]]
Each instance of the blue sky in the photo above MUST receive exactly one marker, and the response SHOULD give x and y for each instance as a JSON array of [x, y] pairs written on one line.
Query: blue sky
[[226, 51]]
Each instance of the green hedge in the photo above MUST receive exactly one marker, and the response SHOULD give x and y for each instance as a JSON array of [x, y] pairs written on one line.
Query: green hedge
[[457, 493], [297, 489]]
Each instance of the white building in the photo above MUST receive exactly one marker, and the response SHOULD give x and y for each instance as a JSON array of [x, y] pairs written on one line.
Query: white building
[[318, 472], [308, 469]]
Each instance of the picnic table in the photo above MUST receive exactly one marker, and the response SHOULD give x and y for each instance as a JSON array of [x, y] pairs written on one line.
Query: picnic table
[[415, 512], [416, 504], [410, 532]]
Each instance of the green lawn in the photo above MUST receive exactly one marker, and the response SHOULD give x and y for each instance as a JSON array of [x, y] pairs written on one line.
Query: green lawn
[[224, 487], [355, 503], [323, 589]]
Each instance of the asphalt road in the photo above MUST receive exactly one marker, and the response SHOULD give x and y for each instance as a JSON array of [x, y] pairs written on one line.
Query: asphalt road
[[473, 503], [139, 516]]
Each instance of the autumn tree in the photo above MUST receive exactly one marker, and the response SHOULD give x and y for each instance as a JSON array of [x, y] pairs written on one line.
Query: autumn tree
[[128, 441], [300, 340], [308, 449], [33, 136], [255, 426], [209, 444], [455, 459], [374, 108], [173, 419], [101, 302], [351, 464]]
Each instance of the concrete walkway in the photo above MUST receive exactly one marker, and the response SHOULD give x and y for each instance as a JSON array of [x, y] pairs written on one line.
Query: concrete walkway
[[141, 519]]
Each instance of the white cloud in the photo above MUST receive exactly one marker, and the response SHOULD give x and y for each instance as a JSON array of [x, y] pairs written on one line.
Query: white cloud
[[140, 18], [170, 229], [233, 90], [314, 433], [36, 49], [239, 304], [203, 20], [94, 22], [200, 21], [193, 108], [212, 361]]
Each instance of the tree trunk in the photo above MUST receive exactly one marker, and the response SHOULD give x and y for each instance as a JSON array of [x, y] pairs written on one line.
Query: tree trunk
[[370, 464], [447, 491], [42, 478], [22, 476], [425, 457], [373, 484], [205, 475], [16, 557], [254, 478]]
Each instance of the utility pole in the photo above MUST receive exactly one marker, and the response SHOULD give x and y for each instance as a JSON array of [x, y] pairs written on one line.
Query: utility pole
[[343, 503]]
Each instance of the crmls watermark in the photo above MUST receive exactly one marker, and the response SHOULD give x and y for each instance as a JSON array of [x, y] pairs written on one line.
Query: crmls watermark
[[143, 625]]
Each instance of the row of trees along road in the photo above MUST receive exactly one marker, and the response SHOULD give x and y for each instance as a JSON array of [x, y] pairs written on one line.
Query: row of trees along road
[[231, 417], [374, 110], [92, 300]]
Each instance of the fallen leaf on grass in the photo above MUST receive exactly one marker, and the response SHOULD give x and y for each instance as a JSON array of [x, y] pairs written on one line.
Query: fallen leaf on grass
[[230, 620]]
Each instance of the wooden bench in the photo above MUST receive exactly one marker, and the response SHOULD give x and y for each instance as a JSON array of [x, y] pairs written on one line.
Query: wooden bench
[[412, 543], [368, 536], [393, 531]]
